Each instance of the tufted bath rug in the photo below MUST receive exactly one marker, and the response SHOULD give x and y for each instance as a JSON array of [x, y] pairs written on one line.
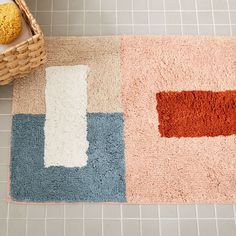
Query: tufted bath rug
[[136, 119]]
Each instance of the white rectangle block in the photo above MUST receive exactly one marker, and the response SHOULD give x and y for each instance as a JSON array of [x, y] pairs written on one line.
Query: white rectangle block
[[66, 121]]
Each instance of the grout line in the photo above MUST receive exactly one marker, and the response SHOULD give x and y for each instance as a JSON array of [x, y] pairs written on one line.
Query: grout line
[[164, 12], [141, 24], [26, 222], [181, 17], [116, 18], [148, 10], [230, 22], [100, 14], [5, 99], [234, 211], [102, 221], [83, 220], [7, 219], [197, 220], [64, 211], [45, 221], [67, 28], [213, 18], [177, 10], [74, 218], [140, 221], [121, 220], [217, 229], [159, 219], [84, 18], [196, 11], [51, 17], [132, 16], [177, 208]]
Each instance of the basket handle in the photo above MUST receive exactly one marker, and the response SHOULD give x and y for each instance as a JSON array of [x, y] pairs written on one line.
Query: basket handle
[[29, 19]]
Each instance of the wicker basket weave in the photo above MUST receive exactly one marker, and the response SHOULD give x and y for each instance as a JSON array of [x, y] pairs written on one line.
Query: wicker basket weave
[[21, 59]]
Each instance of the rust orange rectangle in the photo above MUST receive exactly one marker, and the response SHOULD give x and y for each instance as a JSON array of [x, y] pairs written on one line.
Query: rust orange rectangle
[[196, 113]]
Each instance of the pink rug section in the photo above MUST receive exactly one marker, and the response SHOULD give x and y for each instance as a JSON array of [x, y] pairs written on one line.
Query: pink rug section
[[175, 170]]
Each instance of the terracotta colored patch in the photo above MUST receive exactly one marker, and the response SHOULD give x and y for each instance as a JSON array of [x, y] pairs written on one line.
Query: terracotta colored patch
[[196, 113]]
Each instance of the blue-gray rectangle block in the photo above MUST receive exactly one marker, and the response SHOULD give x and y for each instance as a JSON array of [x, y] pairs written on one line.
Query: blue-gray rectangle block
[[103, 179]]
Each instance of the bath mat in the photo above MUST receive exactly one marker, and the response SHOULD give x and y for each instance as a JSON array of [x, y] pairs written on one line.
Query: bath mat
[[135, 119]]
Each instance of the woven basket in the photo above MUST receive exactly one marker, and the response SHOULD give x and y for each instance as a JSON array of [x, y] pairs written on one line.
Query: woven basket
[[21, 59]]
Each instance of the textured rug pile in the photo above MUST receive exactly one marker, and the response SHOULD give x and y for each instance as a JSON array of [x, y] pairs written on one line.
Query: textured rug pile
[[127, 119]]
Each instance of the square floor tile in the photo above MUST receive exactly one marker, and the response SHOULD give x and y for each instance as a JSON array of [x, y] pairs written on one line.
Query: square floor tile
[[92, 211], [187, 211], [204, 4], [6, 106], [3, 227], [3, 209], [4, 172], [221, 17], [207, 227], [190, 30], [124, 5], [36, 211], [220, 5], [93, 227], [168, 211], [131, 227], [206, 211], [172, 4], [4, 156], [150, 228], [222, 30], [55, 227], [140, 5], [224, 211], [188, 227], [74, 228], [131, 211], [55, 211], [112, 227], [35, 227], [60, 5], [156, 5], [169, 228], [149, 211], [3, 190], [111, 211], [108, 4], [5, 123], [76, 5], [17, 211], [16, 227], [188, 4], [206, 29], [74, 211], [226, 227], [6, 91]]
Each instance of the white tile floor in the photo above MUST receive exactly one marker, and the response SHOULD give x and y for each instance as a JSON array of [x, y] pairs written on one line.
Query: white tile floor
[[109, 17]]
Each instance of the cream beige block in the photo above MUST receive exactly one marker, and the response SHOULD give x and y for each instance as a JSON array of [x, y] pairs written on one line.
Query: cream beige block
[[102, 56], [29, 93]]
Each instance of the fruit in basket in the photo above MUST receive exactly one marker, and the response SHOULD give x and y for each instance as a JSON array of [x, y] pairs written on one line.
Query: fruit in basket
[[10, 22]]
